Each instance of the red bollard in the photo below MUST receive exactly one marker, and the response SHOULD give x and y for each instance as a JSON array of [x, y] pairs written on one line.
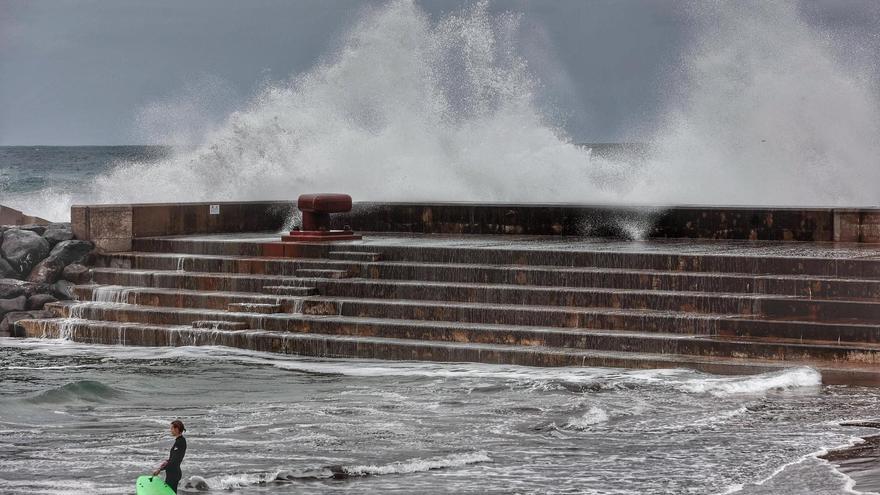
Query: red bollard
[[316, 210]]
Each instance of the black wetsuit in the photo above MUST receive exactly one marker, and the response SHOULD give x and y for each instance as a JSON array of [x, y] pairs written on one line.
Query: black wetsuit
[[172, 469]]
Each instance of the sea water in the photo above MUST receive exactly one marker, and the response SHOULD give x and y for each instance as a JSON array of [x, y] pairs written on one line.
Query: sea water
[[77, 418]]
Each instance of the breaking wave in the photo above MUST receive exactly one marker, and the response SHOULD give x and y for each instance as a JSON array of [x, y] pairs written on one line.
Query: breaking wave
[[756, 384], [82, 391], [766, 110]]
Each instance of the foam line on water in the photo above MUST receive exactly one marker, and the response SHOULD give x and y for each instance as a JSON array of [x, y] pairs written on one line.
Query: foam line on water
[[757, 384], [848, 483], [683, 380], [410, 466]]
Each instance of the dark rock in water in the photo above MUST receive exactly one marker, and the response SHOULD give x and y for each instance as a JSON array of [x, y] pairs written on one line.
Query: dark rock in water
[[23, 249], [6, 270], [196, 483], [15, 304], [10, 288], [47, 271], [54, 236], [863, 424], [338, 472], [36, 229], [37, 301], [62, 289], [68, 252], [75, 273]]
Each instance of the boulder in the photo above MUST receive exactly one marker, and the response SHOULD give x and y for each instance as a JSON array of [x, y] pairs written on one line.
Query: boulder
[[54, 236], [76, 273], [31, 288], [36, 229], [64, 253], [14, 304], [67, 252], [37, 301], [23, 249], [11, 288], [62, 289], [47, 271], [6, 270]]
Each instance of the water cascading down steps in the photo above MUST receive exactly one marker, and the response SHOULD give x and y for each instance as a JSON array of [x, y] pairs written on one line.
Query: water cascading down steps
[[561, 305]]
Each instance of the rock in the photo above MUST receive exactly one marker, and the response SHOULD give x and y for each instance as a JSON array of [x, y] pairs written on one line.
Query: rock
[[31, 289], [23, 249], [36, 229], [15, 304], [54, 236], [67, 252], [37, 301], [64, 253], [196, 483], [62, 290], [75, 273], [6, 270], [11, 288], [47, 271]]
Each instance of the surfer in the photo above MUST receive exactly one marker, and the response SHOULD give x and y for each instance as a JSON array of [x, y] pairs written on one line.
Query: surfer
[[178, 450]]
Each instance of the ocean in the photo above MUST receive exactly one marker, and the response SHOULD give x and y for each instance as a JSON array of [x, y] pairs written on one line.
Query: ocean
[[89, 419], [45, 180]]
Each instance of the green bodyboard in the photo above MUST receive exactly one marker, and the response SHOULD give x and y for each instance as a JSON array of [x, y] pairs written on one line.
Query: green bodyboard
[[152, 485]]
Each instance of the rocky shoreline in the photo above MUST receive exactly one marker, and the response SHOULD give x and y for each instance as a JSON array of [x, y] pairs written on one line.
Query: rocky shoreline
[[39, 264]]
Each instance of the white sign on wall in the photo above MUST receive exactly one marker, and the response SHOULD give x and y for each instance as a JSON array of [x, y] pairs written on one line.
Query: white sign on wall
[[214, 209]]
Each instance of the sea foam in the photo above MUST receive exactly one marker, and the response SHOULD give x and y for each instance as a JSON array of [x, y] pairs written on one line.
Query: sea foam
[[764, 108]]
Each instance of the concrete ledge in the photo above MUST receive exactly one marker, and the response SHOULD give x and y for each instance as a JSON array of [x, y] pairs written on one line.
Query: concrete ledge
[[696, 222], [112, 227], [11, 216]]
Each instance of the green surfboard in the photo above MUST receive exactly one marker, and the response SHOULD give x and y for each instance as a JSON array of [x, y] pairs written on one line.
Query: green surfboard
[[152, 485]]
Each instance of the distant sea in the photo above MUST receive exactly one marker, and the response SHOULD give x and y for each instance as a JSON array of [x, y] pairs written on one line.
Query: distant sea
[[32, 168], [44, 180]]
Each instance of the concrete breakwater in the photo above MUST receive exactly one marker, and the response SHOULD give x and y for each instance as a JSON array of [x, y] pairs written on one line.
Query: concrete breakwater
[[717, 306]]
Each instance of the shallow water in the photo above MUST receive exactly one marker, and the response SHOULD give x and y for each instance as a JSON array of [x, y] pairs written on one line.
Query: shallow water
[[78, 418]]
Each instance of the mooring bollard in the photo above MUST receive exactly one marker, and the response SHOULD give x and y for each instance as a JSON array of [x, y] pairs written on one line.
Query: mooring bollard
[[316, 210]]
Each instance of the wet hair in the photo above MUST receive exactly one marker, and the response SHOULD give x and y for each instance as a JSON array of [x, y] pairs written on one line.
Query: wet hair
[[179, 425]]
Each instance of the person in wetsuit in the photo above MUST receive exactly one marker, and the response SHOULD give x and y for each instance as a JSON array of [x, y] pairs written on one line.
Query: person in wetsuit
[[178, 450]]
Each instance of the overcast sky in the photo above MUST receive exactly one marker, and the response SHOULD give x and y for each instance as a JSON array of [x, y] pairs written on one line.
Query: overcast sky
[[82, 72]]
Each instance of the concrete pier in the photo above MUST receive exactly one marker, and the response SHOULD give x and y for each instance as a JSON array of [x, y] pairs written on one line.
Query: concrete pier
[[721, 306]]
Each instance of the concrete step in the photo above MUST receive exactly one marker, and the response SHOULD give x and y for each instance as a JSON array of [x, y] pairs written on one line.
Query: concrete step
[[740, 257], [317, 273], [795, 330], [610, 340], [219, 325], [620, 278], [695, 302], [249, 307], [372, 347], [354, 255], [289, 290], [521, 315], [179, 298], [440, 291], [673, 322]]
